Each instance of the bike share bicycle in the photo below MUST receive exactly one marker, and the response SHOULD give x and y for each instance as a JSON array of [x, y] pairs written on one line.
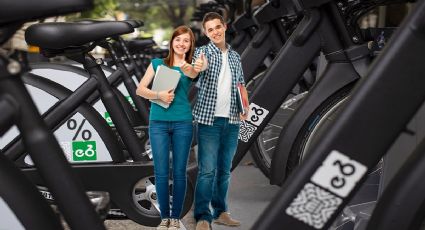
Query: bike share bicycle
[[138, 206], [362, 133], [346, 62], [19, 194]]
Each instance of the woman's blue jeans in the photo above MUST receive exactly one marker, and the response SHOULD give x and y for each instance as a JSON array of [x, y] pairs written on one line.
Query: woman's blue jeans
[[174, 136], [216, 148]]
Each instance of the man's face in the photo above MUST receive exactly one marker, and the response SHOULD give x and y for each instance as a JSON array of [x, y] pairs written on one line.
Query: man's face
[[215, 31]]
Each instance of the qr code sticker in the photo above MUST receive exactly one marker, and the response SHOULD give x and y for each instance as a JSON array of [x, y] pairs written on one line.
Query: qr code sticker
[[313, 206], [246, 130]]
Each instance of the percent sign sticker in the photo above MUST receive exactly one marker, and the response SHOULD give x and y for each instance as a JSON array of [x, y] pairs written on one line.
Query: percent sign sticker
[[72, 124]]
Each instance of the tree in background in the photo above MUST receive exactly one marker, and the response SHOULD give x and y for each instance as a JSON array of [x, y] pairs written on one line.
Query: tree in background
[[159, 13], [103, 9]]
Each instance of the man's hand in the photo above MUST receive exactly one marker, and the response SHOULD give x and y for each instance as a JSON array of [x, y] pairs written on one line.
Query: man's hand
[[200, 63], [244, 116]]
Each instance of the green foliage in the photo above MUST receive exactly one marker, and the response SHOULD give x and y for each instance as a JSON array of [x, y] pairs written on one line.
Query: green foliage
[[156, 14], [102, 9], [160, 13]]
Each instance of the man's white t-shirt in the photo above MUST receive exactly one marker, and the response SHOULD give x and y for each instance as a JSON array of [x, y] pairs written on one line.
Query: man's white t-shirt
[[224, 84]]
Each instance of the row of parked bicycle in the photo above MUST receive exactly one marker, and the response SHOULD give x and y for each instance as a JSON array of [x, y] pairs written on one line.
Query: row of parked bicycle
[[321, 117]]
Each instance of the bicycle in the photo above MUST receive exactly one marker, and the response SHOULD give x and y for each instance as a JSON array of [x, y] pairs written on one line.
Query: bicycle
[[293, 127], [18, 108], [305, 39], [347, 61], [140, 206], [348, 153]]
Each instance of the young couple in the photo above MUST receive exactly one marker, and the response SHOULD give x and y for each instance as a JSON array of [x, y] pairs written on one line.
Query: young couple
[[218, 69]]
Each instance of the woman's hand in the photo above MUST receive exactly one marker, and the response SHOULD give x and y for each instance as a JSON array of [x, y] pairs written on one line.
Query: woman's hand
[[166, 96], [192, 70], [187, 69]]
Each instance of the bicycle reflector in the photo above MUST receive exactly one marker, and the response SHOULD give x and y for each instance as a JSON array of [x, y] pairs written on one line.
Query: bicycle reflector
[[33, 49]]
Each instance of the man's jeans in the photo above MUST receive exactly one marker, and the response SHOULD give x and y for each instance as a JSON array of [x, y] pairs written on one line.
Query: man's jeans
[[177, 137], [216, 148]]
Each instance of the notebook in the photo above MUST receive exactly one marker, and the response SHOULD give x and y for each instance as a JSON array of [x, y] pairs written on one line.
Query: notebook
[[241, 101], [165, 79]]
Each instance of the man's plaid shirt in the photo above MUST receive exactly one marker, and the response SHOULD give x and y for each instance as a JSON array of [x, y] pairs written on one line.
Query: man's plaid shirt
[[204, 109]]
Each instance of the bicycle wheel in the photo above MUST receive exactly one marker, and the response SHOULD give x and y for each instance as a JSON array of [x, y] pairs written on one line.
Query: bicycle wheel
[[263, 148], [314, 127], [146, 200]]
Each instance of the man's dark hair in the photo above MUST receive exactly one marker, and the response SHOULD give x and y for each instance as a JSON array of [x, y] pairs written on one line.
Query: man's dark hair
[[211, 16]]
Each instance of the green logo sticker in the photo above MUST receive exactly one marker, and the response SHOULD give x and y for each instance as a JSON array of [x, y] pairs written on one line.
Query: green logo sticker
[[84, 151], [108, 119], [130, 100]]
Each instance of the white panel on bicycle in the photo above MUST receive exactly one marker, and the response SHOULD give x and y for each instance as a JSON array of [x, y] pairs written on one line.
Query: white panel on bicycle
[[42, 106], [79, 140], [339, 174], [73, 80], [67, 79], [8, 219]]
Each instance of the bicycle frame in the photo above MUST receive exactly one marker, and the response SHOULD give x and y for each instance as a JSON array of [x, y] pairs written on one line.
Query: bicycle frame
[[46, 153], [55, 116], [337, 75], [271, 29], [347, 153], [32, 210]]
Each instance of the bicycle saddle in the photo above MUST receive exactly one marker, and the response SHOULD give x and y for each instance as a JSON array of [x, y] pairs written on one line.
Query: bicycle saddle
[[135, 23], [24, 10], [243, 22], [62, 35], [140, 44]]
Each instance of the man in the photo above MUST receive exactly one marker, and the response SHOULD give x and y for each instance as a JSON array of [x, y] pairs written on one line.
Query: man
[[218, 118]]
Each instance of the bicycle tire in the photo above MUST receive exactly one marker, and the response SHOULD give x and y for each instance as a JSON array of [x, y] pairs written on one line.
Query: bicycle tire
[[308, 132], [263, 148]]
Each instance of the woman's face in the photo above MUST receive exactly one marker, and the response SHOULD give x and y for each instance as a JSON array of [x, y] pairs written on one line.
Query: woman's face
[[181, 44]]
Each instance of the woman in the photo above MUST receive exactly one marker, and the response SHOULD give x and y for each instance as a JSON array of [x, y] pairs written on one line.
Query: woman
[[171, 128]]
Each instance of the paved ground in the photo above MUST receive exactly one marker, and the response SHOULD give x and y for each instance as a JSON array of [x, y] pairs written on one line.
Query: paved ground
[[249, 194]]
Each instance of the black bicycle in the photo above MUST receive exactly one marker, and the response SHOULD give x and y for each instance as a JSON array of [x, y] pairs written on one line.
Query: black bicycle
[[140, 203], [360, 135], [17, 108]]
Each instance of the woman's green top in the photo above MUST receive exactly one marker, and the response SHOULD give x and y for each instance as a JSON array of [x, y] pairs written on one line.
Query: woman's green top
[[180, 108]]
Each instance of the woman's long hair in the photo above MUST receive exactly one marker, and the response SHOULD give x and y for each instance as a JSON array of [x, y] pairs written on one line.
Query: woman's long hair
[[169, 60]]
